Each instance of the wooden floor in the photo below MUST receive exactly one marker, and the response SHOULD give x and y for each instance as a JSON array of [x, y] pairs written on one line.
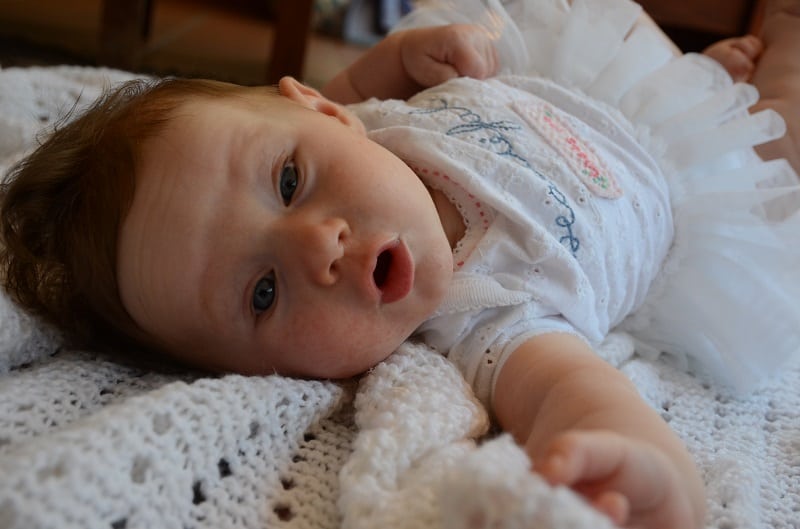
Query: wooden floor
[[186, 39]]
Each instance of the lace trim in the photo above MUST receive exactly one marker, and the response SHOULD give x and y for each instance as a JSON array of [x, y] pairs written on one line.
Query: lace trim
[[476, 215]]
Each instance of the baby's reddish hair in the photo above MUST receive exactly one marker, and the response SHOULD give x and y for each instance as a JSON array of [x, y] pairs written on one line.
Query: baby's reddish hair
[[62, 206]]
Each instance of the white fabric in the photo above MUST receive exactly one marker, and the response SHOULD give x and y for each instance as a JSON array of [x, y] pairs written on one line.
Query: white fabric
[[555, 255], [88, 443], [563, 252]]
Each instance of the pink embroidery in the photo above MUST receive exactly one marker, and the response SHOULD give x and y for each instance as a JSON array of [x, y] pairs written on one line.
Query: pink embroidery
[[580, 157]]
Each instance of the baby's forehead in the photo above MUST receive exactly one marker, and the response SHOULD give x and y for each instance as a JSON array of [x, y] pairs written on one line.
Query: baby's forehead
[[247, 99], [203, 125]]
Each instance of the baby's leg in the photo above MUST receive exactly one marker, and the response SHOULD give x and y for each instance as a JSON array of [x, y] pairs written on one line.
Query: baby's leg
[[777, 76]]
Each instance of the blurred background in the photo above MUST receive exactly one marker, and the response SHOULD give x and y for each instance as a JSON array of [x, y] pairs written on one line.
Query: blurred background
[[257, 41]]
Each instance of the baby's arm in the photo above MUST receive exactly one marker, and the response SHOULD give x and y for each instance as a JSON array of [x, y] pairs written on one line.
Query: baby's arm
[[407, 61], [585, 426]]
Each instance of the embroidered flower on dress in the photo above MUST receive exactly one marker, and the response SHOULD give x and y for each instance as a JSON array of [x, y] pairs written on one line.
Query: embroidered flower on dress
[[579, 156]]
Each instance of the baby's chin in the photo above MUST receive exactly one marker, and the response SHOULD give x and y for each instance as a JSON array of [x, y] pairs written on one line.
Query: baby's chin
[[357, 366]]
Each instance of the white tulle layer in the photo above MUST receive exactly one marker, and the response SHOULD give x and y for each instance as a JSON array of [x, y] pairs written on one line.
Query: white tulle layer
[[728, 300]]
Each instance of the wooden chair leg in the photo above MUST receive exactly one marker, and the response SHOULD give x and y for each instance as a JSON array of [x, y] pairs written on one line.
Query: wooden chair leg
[[756, 16], [124, 28], [126, 23], [292, 28]]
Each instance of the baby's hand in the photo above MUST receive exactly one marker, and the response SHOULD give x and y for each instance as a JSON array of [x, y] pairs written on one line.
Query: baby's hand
[[434, 55], [738, 55], [631, 481]]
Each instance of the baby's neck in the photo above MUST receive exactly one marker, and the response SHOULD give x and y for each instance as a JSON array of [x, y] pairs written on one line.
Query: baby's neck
[[452, 221]]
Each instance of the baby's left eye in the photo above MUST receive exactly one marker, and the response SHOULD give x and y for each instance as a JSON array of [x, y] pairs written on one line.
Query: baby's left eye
[[287, 183], [264, 294]]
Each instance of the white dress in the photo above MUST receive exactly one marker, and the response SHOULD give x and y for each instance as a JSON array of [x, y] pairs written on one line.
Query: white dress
[[710, 277]]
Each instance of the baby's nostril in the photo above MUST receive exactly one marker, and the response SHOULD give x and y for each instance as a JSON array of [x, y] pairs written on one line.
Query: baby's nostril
[[382, 266]]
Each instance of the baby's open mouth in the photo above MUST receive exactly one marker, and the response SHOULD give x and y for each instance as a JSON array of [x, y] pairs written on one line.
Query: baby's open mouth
[[394, 272], [382, 267]]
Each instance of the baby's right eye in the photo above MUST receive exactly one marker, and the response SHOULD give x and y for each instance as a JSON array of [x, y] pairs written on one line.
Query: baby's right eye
[[264, 294], [287, 183]]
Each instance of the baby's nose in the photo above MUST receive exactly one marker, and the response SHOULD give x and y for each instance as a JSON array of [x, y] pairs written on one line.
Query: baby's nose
[[321, 247]]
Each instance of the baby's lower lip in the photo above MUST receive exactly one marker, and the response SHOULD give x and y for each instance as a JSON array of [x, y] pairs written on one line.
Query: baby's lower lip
[[394, 272]]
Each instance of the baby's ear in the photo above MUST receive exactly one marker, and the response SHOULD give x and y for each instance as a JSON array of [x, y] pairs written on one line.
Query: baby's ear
[[308, 97]]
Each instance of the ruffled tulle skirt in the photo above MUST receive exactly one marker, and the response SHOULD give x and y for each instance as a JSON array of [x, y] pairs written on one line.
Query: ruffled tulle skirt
[[727, 302]]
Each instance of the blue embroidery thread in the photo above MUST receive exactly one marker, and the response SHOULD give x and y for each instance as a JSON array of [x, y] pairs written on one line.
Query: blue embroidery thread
[[475, 123], [496, 137], [569, 240]]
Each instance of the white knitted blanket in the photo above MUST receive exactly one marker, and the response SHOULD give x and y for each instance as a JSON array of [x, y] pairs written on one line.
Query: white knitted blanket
[[89, 443]]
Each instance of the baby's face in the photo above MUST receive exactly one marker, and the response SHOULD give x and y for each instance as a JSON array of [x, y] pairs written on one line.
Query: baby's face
[[268, 234]]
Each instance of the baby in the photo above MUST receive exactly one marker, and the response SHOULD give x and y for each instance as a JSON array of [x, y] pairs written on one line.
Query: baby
[[511, 223]]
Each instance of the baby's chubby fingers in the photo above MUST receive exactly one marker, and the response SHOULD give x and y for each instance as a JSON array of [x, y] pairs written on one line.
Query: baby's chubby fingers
[[582, 456], [614, 505], [471, 51], [750, 45], [587, 462], [628, 480], [737, 55], [434, 55]]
